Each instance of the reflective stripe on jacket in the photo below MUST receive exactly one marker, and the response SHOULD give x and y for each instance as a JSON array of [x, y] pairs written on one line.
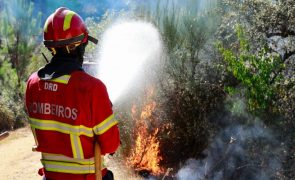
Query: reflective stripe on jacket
[[61, 163]]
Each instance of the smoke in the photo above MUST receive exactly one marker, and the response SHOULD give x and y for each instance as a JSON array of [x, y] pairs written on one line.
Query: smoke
[[127, 49], [247, 150]]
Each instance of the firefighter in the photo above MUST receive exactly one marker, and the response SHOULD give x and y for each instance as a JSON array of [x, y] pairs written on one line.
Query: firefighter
[[69, 110]]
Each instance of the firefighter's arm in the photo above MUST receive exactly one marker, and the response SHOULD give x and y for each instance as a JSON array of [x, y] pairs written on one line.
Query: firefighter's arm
[[27, 95], [106, 126], [109, 141]]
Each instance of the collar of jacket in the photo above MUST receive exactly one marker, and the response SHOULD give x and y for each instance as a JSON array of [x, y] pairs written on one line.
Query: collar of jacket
[[59, 66]]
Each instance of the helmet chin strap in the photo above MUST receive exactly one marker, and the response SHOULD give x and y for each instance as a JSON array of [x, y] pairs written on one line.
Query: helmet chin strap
[[92, 39]]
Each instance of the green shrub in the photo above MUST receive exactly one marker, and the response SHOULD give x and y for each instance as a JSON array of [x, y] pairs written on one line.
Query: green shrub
[[6, 118], [256, 73]]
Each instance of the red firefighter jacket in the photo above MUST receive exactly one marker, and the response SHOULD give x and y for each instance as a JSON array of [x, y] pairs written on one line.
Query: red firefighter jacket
[[67, 115]]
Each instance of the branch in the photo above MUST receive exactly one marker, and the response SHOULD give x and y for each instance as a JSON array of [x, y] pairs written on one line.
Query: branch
[[284, 58], [287, 55], [283, 33], [221, 160]]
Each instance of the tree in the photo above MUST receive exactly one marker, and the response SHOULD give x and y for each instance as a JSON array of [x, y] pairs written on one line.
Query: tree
[[19, 34], [269, 26], [269, 29]]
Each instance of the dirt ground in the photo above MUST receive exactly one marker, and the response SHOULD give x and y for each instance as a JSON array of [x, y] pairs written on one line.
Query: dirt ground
[[17, 161]]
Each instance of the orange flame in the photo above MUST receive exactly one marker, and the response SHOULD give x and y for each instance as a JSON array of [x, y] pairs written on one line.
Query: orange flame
[[146, 153]]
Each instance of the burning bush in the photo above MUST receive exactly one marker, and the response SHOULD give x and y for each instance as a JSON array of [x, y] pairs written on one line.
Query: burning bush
[[145, 155], [191, 84], [188, 93]]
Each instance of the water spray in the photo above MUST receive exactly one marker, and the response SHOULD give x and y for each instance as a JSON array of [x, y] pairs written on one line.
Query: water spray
[[126, 47]]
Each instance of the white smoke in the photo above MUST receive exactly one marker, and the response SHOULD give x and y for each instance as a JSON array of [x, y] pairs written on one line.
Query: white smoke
[[240, 151], [127, 47]]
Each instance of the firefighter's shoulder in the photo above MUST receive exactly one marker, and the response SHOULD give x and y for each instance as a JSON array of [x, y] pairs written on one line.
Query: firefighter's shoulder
[[87, 80]]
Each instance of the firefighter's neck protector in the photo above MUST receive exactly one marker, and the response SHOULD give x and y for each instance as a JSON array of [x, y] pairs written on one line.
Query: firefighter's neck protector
[[65, 28], [59, 66]]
